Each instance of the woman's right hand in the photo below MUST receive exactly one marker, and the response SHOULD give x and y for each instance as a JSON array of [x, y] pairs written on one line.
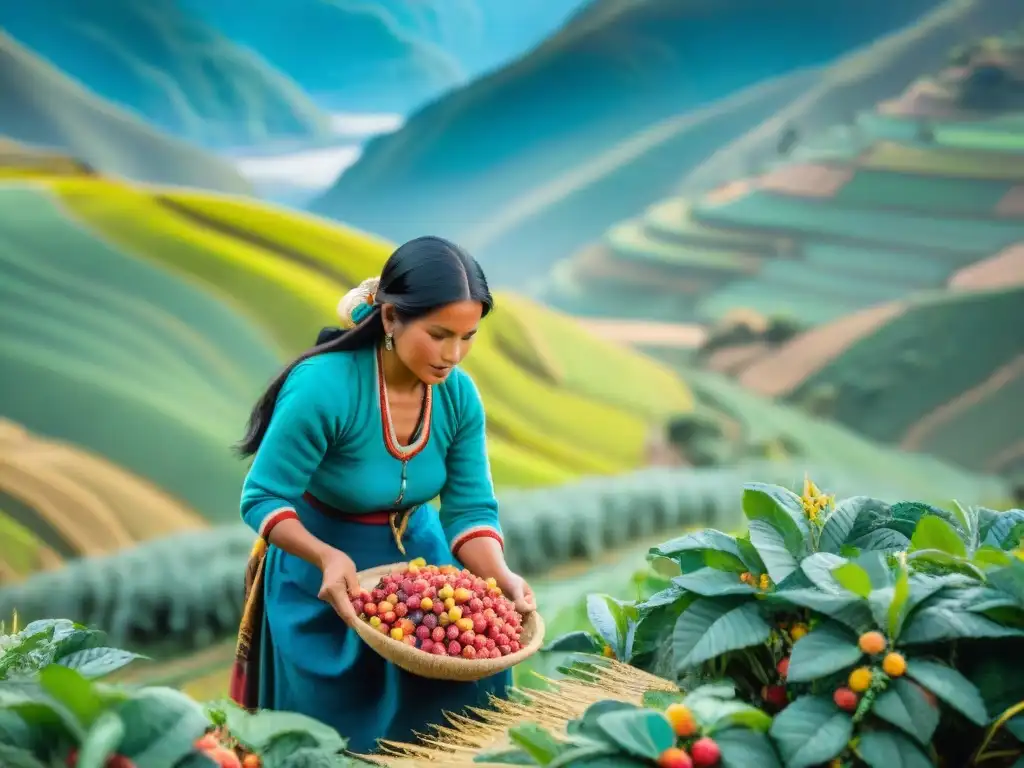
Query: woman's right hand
[[340, 584]]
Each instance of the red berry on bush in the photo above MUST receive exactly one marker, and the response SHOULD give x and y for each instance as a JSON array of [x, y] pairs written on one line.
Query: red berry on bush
[[775, 695], [783, 668], [705, 753], [845, 699], [454, 648]]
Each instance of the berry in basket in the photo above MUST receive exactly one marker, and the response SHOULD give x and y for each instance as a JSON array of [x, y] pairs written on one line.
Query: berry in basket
[[444, 611]]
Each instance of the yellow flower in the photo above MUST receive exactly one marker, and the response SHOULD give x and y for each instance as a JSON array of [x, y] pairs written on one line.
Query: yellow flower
[[765, 581], [798, 631], [813, 500]]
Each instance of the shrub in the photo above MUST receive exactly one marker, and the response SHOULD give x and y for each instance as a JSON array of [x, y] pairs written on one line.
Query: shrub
[[54, 710], [861, 626]]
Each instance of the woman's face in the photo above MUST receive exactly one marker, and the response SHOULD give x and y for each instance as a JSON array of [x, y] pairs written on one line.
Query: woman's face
[[432, 345]]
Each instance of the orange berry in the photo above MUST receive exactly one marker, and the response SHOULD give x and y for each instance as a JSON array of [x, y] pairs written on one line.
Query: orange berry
[[860, 679], [674, 757], [251, 761], [798, 631], [682, 720], [872, 643], [894, 665], [225, 758]]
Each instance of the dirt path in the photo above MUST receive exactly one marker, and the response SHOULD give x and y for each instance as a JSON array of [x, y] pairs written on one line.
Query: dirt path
[[646, 333], [916, 435]]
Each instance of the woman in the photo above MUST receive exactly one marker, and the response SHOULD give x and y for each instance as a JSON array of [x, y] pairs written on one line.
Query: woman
[[350, 442]]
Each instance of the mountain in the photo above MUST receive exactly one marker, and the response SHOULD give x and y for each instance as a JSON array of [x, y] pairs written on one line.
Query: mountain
[[175, 71], [613, 71], [42, 106], [388, 55]]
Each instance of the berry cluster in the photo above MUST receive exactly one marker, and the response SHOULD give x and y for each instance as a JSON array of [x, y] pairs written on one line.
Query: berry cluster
[[444, 611], [695, 750]]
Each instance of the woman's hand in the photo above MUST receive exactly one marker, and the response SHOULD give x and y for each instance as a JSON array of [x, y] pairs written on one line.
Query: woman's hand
[[340, 584], [518, 591]]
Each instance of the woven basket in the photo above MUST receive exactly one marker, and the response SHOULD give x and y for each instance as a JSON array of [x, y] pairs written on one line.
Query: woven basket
[[444, 667]]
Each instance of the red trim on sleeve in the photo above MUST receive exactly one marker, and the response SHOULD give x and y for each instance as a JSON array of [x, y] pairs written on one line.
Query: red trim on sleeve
[[274, 519], [489, 533]]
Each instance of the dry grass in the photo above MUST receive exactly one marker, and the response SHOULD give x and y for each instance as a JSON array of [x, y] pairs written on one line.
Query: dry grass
[[456, 745]]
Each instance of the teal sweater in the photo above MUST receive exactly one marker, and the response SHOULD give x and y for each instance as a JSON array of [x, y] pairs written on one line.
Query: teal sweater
[[328, 436]]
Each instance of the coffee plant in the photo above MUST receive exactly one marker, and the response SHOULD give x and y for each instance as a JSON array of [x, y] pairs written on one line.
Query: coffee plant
[[56, 711], [869, 633]]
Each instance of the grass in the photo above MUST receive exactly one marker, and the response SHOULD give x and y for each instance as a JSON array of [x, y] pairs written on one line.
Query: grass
[[957, 163], [631, 240], [758, 210], [942, 346], [21, 553], [958, 197], [136, 312]]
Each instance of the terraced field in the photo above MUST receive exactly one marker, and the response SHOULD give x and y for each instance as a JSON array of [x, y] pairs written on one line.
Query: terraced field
[[864, 229]]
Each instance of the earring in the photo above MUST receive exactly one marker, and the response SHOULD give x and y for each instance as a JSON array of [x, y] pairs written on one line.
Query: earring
[[389, 343]]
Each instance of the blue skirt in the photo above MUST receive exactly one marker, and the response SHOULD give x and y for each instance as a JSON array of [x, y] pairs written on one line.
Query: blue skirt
[[312, 663]]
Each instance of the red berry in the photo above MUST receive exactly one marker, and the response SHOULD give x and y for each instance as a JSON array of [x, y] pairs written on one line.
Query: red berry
[[453, 632], [467, 637], [476, 605], [488, 603], [505, 649], [454, 649], [438, 634], [357, 606], [414, 601], [514, 645], [430, 620], [401, 610], [490, 644], [501, 640], [469, 652], [438, 607], [674, 757], [705, 753], [409, 640], [775, 695], [389, 617], [845, 699], [479, 624], [783, 668], [479, 642], [427, 645], [370, 609], [495, 653], [391, 589], [439, 650], [422, 632], [420, 585], [407, 586]]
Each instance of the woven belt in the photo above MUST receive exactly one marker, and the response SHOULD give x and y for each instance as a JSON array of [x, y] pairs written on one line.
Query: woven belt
[[396, 519]]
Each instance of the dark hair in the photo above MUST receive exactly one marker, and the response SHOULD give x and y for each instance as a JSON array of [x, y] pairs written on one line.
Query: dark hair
[[420, 277]]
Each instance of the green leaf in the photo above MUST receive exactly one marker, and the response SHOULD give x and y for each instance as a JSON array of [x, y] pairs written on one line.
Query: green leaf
[[780, 507], [988, 556], [881, 540], [660, 700], [98, 662], [743, 748], [586, 725], [723, 561], [853, 578], [843, 518], [1004, 530], [16, 757], [711, 627], [641, 733], [936, 624], [161, 725], [575, 642], [845, 608], [825, 650], [537, 742], [904, 705], [102, 741], [73, 691], [590, 754], [737, 714], [505, 757], [810, 731], [771, 546], [607, 618], [899, 607], [951, 687], [707, 582], [818, 569], [1015, 725], [935, 533], [698, 541], [885, 749]]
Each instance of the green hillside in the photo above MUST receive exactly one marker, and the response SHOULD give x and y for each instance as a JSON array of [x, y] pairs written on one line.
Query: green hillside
[[43, 106], [945, 377], [142, 324]]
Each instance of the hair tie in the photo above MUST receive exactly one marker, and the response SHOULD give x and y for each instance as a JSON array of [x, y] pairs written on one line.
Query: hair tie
[[356, 305]]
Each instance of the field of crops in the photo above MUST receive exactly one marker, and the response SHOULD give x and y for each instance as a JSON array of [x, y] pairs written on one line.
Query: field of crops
[[941, 348]]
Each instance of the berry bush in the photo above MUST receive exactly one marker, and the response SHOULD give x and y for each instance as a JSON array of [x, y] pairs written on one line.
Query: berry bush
[[861, 633]]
